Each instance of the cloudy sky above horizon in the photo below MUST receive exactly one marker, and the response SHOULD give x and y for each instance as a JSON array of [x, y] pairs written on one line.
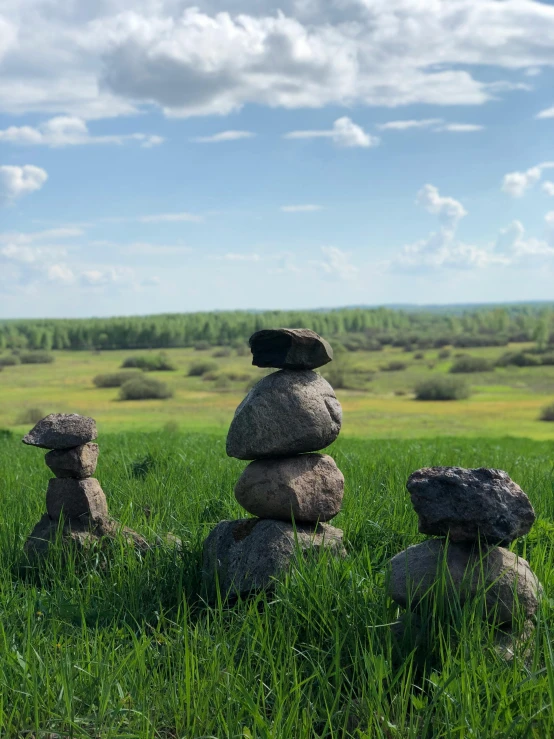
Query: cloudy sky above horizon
[[159, 156]]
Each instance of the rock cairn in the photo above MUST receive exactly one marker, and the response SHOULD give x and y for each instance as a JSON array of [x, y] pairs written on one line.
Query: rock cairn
[[291, 491], [73, 494], [480, 511]]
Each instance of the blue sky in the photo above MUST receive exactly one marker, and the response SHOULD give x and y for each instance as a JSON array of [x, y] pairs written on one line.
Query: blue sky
[[156, 156]]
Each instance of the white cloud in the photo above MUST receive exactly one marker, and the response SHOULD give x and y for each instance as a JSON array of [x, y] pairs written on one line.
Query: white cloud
[[170, 218], [516, 184], [548, 113], [18, 181], [107, 275], [233, 257], [309, 208], [461, 127], [442, 250], [548, 187], [30, 237], [549, 218], [223, 136], [68, 131], [336, 264], [518, 248], [449, 210], [60, 273], [344, 133], [434, 124]]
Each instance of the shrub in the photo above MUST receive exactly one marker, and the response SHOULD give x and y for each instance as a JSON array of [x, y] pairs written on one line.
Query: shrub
[[394, 366], [9, 360], [115, 379], [222, 382], [399, 392], [149, 363], [336, 377], [201, 346], [442, 388], [419, 355], [547, 413], [144, 388], [197, 369], [518, 359], [547, 359], [471, 364], [224, 351], [30, 415], [444, 354], [38, 357]]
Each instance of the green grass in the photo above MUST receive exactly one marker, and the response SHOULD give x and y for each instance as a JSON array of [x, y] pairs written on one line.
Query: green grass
[[125, 647]]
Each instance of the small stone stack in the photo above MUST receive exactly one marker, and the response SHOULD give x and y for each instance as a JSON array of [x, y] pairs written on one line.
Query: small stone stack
[[480, 511], [292, 492], [73, 493]]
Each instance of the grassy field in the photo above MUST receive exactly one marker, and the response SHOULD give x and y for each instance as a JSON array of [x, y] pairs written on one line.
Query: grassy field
[[125, 647], [376, 403]]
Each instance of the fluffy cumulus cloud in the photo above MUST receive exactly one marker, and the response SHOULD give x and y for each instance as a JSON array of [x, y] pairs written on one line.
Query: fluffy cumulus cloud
[[517, 184], [102, 59], [16, 181], [344, 133], [449, 210], [548, 187], [548, 113]]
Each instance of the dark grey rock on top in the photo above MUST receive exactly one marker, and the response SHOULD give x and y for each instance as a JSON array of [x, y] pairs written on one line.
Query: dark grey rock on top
[[76, 499], [286, 413], [467, 504], [505, 580], [62, 431], [247, 555], [308, 487], [79, 462], [289, 348]]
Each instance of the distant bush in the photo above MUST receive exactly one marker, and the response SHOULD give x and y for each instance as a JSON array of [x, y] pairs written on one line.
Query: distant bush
[[30, 416], [547, 359], [442, 388], [419, 355], [394, 366], [197, 369], [471, 364], [36, 357], [9, 360], [444, 354], [222, 383], [399, 392], [149, 363], [144, 388], [202, 346], [469, 341], [224, 351], [547, 413], [518, 359], [242, 350], [336, 377], [115, 379]]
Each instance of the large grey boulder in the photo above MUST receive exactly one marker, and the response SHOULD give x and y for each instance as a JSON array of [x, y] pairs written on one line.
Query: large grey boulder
[[62, 431], [75, 499], [79, 462], [286, 413], [308, 488], [469, 504], [497, 574], [247, 555], [289, 348]]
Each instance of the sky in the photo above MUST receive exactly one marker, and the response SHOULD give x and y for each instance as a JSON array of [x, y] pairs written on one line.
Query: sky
[[161, 156]]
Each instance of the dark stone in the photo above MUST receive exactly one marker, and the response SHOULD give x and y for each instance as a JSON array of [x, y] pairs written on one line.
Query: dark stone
[[308, 488], [247, 555], [286, 413], [289, 348], [470, 504], [504, 579], [78, 463], [75, 499], [61, 431]]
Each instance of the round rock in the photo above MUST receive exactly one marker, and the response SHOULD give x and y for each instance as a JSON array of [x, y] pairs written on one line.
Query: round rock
[[468, 504], [497, 574], [62, 431], [286, 413], [289, 348], [307, 488], [75, 499], [79, 462]]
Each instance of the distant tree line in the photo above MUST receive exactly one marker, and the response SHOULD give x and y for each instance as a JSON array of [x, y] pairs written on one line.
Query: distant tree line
[[354, 328]]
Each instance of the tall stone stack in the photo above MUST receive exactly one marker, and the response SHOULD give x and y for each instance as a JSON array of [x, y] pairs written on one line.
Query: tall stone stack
[[73, 494], [291, 491], [481, 511]]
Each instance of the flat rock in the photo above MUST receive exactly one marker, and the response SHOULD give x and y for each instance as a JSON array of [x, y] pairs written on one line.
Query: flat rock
[[289, 348], [62, 431], [247, 555], [470, 504], [78, 463], [75, 499], [308, 488], [288, 412], [497, 573]]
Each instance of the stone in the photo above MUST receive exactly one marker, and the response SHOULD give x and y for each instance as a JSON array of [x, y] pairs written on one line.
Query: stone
[[498, 573], [307, 488], [288, 412], [75, 499], [470, 504], [78, 463], [289, 348], [62, 431], [247, 555]]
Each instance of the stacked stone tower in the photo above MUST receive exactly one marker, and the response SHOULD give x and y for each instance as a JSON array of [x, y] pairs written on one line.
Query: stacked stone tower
[[479, 510], [73, 494], [292, 492]]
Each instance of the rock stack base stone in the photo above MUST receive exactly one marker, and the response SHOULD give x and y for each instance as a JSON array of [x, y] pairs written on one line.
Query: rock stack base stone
[[291, 491], [73, 495]]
